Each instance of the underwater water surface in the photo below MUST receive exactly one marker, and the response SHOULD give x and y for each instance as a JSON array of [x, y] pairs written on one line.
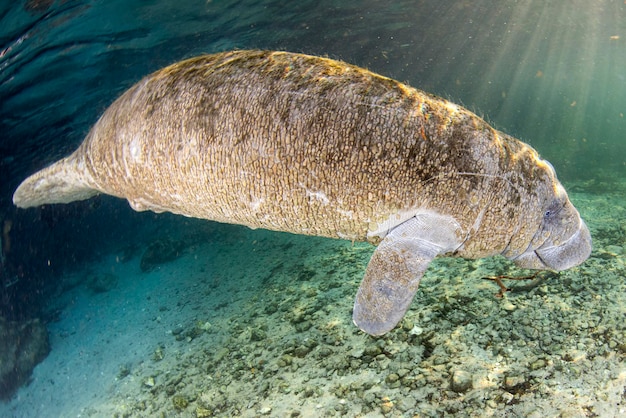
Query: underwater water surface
[[143, 314]]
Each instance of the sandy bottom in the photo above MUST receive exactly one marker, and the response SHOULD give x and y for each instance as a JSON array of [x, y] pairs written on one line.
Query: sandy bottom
[[249, 323]]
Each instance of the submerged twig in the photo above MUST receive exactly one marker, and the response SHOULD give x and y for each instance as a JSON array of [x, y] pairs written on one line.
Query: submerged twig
[[536, 278]]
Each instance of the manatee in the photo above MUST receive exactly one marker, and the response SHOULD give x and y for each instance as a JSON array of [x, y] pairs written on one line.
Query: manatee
[[310, 145]]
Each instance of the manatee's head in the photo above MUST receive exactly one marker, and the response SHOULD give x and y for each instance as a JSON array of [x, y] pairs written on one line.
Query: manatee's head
[[562, 240]]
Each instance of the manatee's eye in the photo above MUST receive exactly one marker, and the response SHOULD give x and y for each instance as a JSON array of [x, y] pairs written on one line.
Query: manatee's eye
[[554, 208]]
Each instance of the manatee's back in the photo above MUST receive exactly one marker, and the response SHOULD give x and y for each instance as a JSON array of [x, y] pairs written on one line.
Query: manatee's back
[[282, 141], [272, 140]]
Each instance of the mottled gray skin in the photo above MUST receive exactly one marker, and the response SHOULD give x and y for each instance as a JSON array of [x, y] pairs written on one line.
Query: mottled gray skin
[[314, 146]]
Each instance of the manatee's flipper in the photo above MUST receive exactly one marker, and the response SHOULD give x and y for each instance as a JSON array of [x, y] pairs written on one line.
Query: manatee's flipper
[[63, 182], [396, 268]]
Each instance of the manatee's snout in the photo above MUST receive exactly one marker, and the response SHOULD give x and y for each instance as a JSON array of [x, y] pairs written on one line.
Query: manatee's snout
[[563, 239], [569, 253], [559, 252]]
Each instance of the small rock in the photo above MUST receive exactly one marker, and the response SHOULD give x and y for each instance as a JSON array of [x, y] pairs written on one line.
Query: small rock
[[392, 378], [508, 306], [265, 410], [325, 352], [507, 397], [511, 382], [204, 326], [158, 354], [257, 334], [357, 352], [308, 391], [407, 325], [569, 413], [303, 326], [539, 364], [416, 330], [386, 405], [406, 403], [180, 402], [221, 354], [369, 398], [203, 412], [341, 407], [372, 350], [403, 372], [301, 351], [460, 381], [124, 371], [149, 382], [286, 360]]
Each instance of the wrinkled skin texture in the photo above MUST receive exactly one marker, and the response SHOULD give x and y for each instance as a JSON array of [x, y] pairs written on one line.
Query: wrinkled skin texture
[[314, 146]]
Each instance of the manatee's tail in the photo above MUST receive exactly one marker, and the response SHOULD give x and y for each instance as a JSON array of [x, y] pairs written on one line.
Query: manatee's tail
[[63, 182]]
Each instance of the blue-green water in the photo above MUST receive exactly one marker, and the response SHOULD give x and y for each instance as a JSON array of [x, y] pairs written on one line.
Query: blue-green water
[[550, 73]]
